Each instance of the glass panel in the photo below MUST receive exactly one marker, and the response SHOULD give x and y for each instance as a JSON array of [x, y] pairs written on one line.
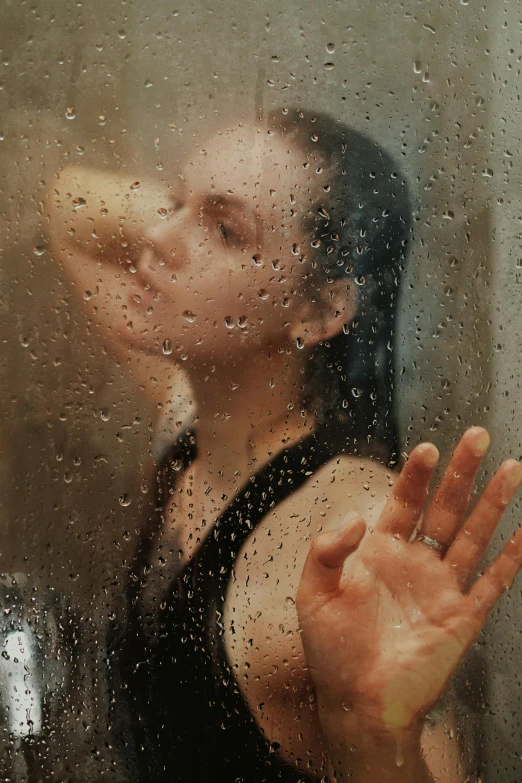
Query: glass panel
[[252, 255]]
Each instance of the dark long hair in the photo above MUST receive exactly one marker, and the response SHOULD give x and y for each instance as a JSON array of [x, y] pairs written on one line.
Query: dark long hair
[[360, 229]]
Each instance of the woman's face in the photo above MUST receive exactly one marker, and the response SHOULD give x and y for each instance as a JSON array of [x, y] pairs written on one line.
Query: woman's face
[[223, 273]]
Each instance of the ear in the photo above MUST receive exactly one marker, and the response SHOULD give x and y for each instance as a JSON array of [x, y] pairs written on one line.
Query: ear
[[322, 317]]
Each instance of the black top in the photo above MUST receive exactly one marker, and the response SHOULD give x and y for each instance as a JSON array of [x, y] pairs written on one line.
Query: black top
[[186, 712], [178, 713]]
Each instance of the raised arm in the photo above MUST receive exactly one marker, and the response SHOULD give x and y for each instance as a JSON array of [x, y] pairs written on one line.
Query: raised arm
[[95, 224], [388, 612]]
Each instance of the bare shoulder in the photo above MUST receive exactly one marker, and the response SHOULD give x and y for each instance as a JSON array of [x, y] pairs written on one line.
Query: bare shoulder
[[345, 484]]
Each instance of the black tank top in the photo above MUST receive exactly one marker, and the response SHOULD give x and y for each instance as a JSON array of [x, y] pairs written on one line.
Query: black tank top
[[178, 713], [188, 717]]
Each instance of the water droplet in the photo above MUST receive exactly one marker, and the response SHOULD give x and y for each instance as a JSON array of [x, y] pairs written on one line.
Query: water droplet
[[39, 250], [229, 322], [74, 577], [399, 754], [135, 185], [263, 294], [356, 392], [149, 83], [125, 500], [487, 173], [105, 414], [300, 343], [330, 48], [87, 295], [78, 202], [79, 149], [257, 259], [102, 119], [162, 212], [329, 66], [242, 321], [189, 316], [121, 34], [70, 113], [417, 67], [167, 347]]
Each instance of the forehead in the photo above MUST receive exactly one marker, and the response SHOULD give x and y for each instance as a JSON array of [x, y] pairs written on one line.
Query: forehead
[[251, 163]]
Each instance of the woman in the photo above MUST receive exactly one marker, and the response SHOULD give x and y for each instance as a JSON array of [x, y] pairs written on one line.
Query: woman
[[291, 618]]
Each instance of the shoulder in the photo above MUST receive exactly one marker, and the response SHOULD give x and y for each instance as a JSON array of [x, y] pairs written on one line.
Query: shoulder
[[343, 485]]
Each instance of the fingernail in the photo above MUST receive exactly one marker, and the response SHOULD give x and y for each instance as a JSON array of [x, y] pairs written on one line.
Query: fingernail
[[515, 475], [346, 525], [512, 482], [431, 455], [481, 444]]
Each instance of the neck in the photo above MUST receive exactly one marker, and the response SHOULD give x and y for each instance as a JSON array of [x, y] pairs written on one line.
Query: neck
[[247, 411]]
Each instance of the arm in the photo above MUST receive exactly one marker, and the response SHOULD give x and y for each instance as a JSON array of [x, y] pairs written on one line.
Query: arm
[[386, 617], [431, 755], [95, 224], [366, 754]]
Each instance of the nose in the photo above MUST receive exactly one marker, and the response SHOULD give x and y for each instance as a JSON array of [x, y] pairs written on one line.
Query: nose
[[165, 239]]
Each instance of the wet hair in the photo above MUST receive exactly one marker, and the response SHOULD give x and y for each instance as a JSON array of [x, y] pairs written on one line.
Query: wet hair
[[359, 229]]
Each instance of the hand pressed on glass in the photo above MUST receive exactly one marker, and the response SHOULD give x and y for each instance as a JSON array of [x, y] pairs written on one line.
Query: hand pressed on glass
[[384, 630]]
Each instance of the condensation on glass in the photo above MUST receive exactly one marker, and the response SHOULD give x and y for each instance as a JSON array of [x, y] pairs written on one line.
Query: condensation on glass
[[319, 203]]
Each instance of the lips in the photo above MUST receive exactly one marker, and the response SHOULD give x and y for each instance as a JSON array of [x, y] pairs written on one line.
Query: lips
[[142, 287], [141, 284]]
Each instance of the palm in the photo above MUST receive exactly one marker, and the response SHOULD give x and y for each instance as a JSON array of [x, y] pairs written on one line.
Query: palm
[[385, 637], [396, 642]]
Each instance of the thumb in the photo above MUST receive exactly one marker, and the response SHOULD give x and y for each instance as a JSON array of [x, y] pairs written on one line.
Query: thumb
[[324, 564]]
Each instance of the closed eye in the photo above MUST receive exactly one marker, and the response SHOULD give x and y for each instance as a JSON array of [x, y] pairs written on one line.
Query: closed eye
[[225, 232]]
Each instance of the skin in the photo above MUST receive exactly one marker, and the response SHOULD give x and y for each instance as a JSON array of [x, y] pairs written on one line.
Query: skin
[[96, 246], [357, 630]]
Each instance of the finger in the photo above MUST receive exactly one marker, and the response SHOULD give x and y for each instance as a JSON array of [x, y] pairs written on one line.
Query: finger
[[408, 494], [324, 565], [445, 512], [473, 539], [497, 578]]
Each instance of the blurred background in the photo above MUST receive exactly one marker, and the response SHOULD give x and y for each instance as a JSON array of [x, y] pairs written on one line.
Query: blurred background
[[127, 87]]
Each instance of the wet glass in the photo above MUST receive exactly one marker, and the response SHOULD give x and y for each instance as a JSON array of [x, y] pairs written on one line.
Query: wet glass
[[227, 228]]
